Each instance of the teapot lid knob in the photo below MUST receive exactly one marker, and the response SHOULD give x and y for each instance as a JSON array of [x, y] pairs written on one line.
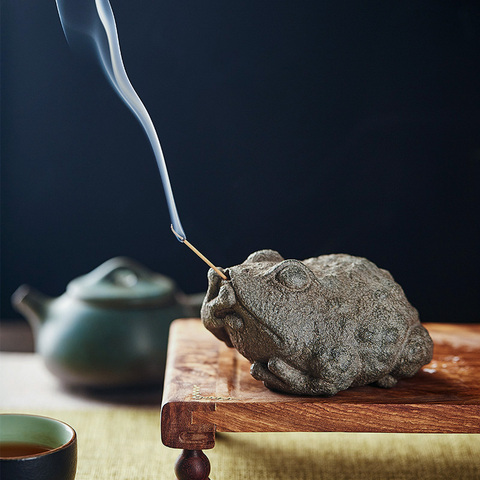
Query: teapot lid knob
[[122, 280]]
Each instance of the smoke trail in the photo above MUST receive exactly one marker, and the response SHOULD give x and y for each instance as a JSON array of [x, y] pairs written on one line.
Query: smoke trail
[[90, 27]]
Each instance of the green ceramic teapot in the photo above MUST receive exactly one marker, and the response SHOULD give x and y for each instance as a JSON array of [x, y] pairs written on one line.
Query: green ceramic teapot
[[110, 327]]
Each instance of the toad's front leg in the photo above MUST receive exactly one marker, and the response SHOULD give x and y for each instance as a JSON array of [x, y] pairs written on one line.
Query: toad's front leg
[[260, 371], [279, 375]]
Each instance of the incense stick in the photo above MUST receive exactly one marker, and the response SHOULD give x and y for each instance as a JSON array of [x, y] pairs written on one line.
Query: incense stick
[[203, 257]]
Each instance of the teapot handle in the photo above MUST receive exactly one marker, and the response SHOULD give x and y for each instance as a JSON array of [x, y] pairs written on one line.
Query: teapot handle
[[192, 303]]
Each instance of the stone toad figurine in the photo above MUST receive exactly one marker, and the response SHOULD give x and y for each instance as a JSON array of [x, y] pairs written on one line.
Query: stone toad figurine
[[317, 326]]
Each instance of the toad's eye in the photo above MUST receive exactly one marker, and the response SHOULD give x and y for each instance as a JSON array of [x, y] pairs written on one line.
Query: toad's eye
[[293, 276]]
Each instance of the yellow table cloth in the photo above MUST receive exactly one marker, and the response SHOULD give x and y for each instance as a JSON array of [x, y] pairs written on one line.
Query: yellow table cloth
[[120, 442], [124, 444]]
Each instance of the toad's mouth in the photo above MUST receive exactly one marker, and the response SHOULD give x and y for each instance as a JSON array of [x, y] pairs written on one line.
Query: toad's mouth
[[223, 311], [219, 300], [218, 307], [231, 318]]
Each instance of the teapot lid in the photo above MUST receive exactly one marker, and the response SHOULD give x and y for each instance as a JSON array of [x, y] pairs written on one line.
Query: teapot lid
[[121, 281]]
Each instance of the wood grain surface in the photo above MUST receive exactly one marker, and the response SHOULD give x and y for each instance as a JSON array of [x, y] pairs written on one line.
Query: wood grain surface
[[208, 388]]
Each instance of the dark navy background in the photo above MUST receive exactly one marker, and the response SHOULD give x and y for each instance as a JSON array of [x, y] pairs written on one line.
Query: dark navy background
[[309, 127]]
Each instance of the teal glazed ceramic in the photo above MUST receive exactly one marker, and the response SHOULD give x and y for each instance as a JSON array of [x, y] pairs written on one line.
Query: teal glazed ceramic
[[110, 327], [59, 462]]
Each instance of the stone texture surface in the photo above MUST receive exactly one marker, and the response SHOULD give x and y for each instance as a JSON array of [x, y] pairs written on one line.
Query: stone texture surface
[[317, 326]]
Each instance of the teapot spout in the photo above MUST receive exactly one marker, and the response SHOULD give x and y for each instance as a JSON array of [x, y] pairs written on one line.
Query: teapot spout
[[31, 304]]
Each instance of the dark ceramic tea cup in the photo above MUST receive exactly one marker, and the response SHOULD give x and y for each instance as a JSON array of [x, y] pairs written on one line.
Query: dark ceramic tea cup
[[36, 448]]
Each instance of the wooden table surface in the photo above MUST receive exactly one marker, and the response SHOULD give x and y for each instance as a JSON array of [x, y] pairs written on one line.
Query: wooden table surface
[[208, 388]]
